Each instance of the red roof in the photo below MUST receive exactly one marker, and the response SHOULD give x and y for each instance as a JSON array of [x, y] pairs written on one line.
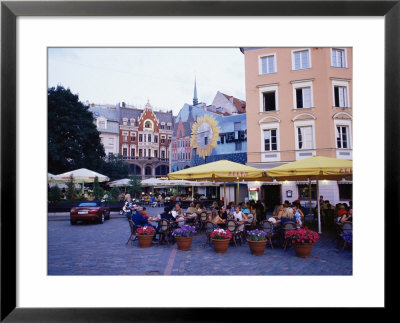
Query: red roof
[[239, 104]]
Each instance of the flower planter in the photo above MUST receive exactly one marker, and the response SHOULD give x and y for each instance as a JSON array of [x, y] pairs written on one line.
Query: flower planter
[[184, 243], [257, 247], [145, 240], [303, 250], [220, 245]]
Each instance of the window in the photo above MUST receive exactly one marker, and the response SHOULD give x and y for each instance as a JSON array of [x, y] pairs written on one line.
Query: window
[[238, 145], [132, 121], [101, 123], [341, 99], [205, 141], [149, 153], [269, 102], [163, 139], [270, 140], [140, 137], [144, 152], [124, 121], [345, 191], [133, 136], [342, 138], [267, 64], [305, 137], [168, 127], [169, 140], [162, 126], [125, 136], [304, 191], [140, 152], [148, 125], [303, 97], [301, 59], [155, 154], [124, 152], [155, 139], [149, 138], [162, 153], [339, 57], [132, 152]]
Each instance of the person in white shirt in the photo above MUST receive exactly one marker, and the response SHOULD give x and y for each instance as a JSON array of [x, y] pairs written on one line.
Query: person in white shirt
[[240, 217], [297, 216]]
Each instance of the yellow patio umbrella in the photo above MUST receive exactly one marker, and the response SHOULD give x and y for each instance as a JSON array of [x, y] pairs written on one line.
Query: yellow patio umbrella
[[314, 168], [220, 171]]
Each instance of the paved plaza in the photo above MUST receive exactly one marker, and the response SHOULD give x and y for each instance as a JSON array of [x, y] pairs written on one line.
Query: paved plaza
[[101, 249]]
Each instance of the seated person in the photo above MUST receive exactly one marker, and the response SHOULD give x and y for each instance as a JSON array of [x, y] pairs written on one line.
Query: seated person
[[179, 215], [215, 218], [297, 216], [139, 219], [223, 214], [347, 216], [198, 209], [191, 209], [288, 216], [144, 214], [166, 214], [240, 217]]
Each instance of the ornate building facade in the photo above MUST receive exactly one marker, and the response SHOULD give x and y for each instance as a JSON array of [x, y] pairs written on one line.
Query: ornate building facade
[[141, 136], [144, 139]]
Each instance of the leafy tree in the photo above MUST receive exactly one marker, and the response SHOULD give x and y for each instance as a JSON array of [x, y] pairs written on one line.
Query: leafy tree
[[54, 193], [135, 186], [73, 139], [114, 192], [115, 167], [70, 187], [98, 191]]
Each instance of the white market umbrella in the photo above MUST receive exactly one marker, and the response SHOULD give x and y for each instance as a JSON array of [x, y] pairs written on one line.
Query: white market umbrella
[[124, 182], [153, 182], [82, 175]]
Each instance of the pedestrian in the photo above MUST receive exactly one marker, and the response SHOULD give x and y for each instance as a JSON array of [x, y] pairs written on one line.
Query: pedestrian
[[128, 206]]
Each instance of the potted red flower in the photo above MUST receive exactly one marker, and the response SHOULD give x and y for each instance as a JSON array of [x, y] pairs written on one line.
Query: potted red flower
[[220, 239], [302, 240], [145, 236]]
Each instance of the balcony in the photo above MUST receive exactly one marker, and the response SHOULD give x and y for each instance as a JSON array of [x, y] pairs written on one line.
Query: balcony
[[145, 158]]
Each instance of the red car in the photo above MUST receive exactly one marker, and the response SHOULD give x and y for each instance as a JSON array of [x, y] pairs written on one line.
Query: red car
[[90, 211]]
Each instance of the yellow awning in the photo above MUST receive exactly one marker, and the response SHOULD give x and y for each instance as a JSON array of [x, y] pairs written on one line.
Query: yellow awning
[[312, 168], [219, 171]]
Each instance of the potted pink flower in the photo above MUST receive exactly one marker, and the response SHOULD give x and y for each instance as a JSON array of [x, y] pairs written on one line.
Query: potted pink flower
[[302, 240], [220, 239]]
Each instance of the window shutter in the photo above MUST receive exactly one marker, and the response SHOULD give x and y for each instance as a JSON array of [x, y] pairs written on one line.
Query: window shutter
[[307, 97]]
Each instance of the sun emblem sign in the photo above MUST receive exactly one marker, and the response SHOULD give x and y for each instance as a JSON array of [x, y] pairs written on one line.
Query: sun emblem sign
[[205, 134]]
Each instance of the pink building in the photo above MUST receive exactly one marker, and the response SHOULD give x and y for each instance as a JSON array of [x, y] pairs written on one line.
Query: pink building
[[299, 104]]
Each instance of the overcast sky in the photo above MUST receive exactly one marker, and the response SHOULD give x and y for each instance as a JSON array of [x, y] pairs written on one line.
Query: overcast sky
[[164, 76]]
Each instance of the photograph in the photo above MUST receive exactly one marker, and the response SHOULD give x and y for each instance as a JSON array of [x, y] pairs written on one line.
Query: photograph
[[200, 161]]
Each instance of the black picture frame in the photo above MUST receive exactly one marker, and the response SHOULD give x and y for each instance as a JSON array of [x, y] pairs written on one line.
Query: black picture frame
[[10, 10]]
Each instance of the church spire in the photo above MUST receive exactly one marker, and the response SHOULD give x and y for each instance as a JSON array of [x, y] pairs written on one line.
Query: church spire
[[195, 100]]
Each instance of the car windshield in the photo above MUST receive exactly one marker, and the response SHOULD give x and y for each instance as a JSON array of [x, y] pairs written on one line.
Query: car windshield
[[90, 204]]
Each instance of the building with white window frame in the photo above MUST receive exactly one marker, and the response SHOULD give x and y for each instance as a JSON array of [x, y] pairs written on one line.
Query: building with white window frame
[[298, 104]]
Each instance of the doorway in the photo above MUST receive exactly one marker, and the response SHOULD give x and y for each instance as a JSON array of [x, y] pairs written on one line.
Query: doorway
[[271, 195]]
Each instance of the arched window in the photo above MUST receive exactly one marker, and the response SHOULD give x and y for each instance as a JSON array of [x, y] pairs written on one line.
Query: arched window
[[147, 171], [148, 124]]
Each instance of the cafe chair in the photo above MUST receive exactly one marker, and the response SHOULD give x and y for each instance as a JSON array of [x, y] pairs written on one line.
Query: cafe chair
[[203, 219], [133, 236], [286, 227], [233, 227], [165, 231], [267, 227], [209, 228]]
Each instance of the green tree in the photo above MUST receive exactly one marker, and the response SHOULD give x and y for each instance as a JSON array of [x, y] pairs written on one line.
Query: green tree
[[54, 193], [98, 191], [135, 186], [70, 187], [115, 192], [73, 139], [115, 167]]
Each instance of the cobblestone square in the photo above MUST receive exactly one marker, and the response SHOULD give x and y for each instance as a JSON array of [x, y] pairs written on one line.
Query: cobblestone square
[[101, 249]]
